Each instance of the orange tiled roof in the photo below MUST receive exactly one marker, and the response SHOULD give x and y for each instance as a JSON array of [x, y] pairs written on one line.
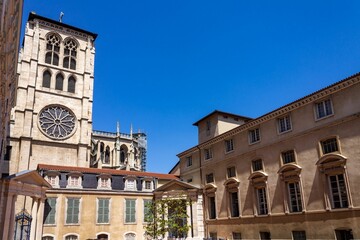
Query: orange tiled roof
[[108, 171]]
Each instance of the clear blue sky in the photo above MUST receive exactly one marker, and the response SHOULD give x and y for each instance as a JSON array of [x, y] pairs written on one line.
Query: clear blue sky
[[164, 64]]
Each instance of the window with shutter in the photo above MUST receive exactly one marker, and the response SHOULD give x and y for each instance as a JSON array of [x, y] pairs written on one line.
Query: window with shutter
[[130, 211], [103, 211], [72, 213]]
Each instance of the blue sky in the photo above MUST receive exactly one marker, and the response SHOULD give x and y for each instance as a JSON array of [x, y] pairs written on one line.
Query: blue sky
[[161, 65]]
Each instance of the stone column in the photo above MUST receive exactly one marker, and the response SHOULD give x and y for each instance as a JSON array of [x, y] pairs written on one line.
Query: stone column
[[40, 215], [34, 212], [9, 217]]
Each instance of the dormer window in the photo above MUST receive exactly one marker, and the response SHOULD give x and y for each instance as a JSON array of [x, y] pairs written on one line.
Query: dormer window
[[53, 179], [74, 180], [148, 184], [104, 182], [130, 184]]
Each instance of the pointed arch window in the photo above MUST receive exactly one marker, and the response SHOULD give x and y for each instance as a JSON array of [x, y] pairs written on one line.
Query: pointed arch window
[[70, 48], [107, 155], [71, 84], [52, 49], [46, 79], [59, 82]]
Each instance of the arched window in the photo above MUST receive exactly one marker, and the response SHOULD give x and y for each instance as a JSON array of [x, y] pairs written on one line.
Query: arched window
[[47, 238], [102, 237], [102, 151], [59, 82], [71, 237], [70, 47], [107, 155], [46, 79], [123, 153], [130, 236], [52, 49], [71, 84]]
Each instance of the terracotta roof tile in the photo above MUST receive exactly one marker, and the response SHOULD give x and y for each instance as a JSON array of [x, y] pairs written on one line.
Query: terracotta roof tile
[[108, 171]]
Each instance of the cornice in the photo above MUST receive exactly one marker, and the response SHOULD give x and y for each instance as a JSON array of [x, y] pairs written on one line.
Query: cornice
[[325, 92]]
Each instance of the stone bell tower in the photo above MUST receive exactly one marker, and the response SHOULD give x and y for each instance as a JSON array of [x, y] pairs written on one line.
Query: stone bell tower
[[51, 121]]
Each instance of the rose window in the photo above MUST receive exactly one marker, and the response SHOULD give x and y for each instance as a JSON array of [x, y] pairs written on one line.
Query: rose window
[[57, 122]]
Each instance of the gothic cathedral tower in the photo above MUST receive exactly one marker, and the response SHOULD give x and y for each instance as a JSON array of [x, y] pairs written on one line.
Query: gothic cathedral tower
[[51, 122]]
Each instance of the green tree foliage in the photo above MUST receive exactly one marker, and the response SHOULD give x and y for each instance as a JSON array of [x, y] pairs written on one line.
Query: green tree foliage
[[166, 216]]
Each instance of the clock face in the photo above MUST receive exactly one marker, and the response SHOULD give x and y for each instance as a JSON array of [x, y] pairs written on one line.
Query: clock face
[[57, 122]]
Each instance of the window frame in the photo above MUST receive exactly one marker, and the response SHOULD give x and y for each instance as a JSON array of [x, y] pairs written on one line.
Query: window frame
[[231, 172], [50, 212], [189, 161], [331, 192], [132, 211], [284, 124], [98, 209], [298, 197], [207, 177], [229, 145], [208, 154], [298, 235], [254, 164], [211, 207], [322, 147], [286, 153], [323, 105], [78, 213], [71, 184], [262, 205], [254, 136]]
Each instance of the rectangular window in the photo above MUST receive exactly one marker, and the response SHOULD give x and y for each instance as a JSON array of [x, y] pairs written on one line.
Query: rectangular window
[[234, 203], [213, 236], [130, 184], [257, 165], [294, 197], [236, 236], [265, 236], [50, 211], [299, 235], [208, 127], [72, 212], [338, 191], [231, 172], [262, 201], [212, 208], [207, 153], [329, 146], [147, 185], [189, 180], [210, 178], [284, 124], [147, 210], [229, 145], [288, 157], [103, 210], [254, 135], [189, 161], [323, 109], [130, 211], [345, 234]]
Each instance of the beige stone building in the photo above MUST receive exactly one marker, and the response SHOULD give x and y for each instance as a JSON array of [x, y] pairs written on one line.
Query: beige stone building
[[289, 174], [89, 203]]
